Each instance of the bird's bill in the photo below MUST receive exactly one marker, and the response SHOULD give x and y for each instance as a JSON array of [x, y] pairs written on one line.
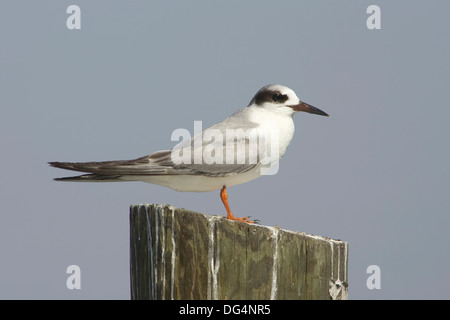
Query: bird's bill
[[308, 108]]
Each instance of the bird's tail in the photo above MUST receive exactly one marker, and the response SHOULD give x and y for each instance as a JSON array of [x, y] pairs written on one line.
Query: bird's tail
[[90, 178], [84, 166], [158, 163], [87, 167]]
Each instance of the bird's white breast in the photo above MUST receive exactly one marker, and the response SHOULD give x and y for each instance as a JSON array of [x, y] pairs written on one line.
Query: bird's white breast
[[274, 121]]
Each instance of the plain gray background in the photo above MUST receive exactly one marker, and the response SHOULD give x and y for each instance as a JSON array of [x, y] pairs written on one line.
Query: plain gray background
[[375, 174]]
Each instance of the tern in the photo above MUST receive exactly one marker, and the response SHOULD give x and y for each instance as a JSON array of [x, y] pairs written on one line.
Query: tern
[[228, 153]]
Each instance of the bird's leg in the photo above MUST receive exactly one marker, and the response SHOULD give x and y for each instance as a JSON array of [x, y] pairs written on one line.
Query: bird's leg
[[230, 216]]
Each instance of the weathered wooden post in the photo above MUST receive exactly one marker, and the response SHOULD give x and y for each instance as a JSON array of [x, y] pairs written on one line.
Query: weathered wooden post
[[180, 254]]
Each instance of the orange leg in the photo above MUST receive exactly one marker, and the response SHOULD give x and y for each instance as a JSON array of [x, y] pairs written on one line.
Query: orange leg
[[230, 216]]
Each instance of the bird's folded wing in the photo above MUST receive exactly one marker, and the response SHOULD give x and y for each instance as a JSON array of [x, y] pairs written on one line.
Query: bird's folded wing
[[157, 163], [227, 148]]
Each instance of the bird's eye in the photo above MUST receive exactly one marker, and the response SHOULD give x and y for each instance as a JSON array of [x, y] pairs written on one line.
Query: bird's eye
[[277, 97]]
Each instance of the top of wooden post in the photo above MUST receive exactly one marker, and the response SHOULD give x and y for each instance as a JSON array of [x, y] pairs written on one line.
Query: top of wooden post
[[180, 254]]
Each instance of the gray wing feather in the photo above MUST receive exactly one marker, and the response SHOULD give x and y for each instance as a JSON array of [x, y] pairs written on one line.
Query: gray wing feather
[[157, 163], [234, 138], [162, 162]]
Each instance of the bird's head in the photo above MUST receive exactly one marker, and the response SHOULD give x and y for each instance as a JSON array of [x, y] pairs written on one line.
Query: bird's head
[[282, 99]]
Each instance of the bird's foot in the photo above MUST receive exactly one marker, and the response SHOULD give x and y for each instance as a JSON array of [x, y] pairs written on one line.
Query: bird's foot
[[242, 219], [230, 216]]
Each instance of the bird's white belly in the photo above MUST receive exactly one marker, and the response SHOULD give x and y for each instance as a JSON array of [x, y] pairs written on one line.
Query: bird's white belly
[[194, 183]]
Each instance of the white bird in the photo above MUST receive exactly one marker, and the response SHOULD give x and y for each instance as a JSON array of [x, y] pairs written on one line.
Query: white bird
[[239, 149]]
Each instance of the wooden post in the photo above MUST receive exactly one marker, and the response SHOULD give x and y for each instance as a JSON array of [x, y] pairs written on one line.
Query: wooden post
[[180, 254]]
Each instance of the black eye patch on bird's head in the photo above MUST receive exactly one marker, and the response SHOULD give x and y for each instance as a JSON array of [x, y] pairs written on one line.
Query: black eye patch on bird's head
[[278, 97], [271, 96]]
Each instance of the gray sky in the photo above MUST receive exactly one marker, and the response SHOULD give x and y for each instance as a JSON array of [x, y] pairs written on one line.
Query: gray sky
[[375, 174]]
